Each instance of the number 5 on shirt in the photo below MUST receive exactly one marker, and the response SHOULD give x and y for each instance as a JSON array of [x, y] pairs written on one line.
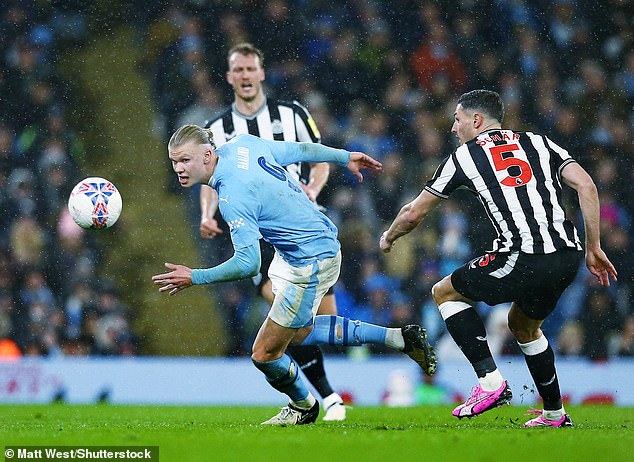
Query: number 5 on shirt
[[514, 179]]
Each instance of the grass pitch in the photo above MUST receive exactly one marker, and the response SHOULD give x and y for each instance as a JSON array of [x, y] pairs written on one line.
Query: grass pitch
[[419, 434]]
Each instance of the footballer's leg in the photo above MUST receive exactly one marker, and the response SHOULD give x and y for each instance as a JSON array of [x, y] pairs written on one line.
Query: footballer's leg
[[550, 275], [283, 374], [299, 294], [467, 329], [540, 360], [311, 361], [332, 401], [310, 358], [337, 330]]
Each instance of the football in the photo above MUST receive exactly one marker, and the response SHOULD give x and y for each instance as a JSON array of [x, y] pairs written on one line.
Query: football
[[95, 203]]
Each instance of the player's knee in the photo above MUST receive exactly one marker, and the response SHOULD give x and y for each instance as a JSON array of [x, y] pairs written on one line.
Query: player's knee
[[262, 354], [439, 292], [523, 332], [256, 356], [267, 348]]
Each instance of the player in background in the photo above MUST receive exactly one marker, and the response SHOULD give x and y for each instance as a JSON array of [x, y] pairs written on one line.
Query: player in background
[[260, 200], [252, 113], [518, 177]]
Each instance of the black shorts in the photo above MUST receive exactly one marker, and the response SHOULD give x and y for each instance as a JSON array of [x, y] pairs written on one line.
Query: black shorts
[[534, 282], [268, 252]]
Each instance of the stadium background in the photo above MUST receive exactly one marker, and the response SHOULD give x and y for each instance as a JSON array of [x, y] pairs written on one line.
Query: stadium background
[[96, 90]]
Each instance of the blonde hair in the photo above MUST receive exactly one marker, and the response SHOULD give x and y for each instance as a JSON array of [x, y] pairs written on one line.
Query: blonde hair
[[246, 49], [191, 132]]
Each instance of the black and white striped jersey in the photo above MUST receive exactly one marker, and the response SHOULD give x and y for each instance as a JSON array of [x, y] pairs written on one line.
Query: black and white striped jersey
[[276, 120], [517, 177]]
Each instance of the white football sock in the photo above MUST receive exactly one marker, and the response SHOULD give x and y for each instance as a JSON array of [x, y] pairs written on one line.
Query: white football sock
[[554, 415], [332, 399], [305, 404], [492, 381], [394, 339]]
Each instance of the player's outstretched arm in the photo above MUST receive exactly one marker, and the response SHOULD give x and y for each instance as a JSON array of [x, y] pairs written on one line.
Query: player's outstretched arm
[[360, 161], [408, 218], [597, 262], [244, 263]]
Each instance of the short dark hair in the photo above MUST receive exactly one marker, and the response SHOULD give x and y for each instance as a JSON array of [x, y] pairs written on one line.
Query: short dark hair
[[247, 49], [486, 101]]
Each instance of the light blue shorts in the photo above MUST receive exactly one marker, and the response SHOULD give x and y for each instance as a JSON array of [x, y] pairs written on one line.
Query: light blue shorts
[[299, 289]]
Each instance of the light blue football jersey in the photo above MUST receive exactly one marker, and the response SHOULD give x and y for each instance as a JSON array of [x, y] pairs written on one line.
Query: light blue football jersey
[[259, 199]]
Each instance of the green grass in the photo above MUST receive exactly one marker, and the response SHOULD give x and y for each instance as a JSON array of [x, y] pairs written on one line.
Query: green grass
[[370, 433]]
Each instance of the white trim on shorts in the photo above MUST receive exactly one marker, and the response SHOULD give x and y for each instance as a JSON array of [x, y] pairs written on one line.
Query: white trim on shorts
[[508, 266]]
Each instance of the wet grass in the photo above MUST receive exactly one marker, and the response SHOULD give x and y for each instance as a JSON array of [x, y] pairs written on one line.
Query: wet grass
[[369, 433]]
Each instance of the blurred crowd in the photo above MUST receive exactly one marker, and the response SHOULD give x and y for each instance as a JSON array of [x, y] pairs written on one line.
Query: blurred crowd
[[380, 77], [383, 78], [53, 300]]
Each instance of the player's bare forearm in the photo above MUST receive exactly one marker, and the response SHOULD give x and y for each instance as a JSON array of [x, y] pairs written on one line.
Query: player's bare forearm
[[590, 210], [401, 226], [208, 205], [208, 201], [596, 260], [579, 180], [408, 218], [318, 177]]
